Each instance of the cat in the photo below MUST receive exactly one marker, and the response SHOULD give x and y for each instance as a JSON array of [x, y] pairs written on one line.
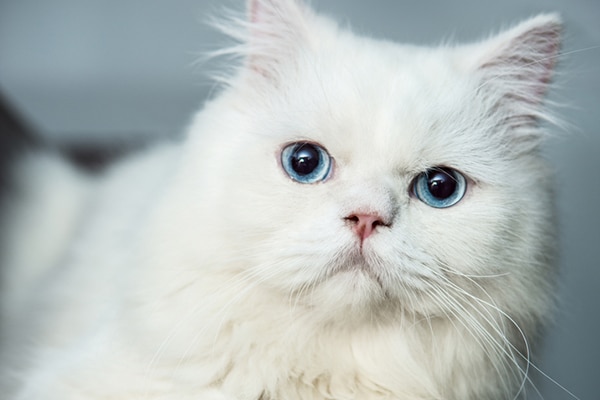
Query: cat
[[349, 218]]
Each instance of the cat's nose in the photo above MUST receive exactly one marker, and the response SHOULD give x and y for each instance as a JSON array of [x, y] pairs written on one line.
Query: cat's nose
[[364, 225]]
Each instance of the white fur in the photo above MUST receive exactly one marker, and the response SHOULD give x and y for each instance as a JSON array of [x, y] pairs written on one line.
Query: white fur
[[201, 271]]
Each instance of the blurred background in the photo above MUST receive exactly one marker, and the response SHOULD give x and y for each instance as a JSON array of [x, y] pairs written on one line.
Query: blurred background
[[112, 72]]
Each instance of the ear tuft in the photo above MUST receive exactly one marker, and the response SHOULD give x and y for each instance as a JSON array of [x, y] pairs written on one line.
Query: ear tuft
[[276, 29], [522, 59], [514, 70]]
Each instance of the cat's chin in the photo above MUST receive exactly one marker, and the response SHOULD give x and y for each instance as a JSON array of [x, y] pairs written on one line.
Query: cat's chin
[[359, 285], [355, 296], [350, 291]]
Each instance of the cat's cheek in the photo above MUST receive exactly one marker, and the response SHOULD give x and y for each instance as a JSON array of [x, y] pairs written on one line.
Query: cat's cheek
[[463, 239]]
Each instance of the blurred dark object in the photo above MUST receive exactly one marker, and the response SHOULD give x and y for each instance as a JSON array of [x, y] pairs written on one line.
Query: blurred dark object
[[94, 157], [14, 130], [18, 136], [15, 136]]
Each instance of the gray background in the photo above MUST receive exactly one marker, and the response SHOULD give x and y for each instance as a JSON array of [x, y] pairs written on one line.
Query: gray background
[[95, 70]]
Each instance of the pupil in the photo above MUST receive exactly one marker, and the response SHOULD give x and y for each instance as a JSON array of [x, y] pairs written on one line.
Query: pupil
[[441, 184], [305, 159]]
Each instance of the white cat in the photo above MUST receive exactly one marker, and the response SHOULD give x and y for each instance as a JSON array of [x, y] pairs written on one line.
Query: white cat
[[348, 219]]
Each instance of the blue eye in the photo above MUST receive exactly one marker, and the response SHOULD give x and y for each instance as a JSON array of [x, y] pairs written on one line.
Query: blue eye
[[306, 162], [440, 187]]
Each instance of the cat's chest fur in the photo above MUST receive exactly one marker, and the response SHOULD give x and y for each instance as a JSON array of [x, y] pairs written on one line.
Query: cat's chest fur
[[330, 364], [280, 358], [271, 349]]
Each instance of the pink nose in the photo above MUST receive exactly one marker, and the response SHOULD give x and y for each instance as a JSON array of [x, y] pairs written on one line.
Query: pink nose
[[365, 224]]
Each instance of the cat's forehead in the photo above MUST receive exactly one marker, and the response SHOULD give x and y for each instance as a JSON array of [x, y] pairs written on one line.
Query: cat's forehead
[[382, 101]]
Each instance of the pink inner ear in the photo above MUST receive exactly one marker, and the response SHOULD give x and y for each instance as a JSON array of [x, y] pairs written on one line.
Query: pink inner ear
[[524, 63], [254, 10], [257, 10], [259, 13], [275, 29]]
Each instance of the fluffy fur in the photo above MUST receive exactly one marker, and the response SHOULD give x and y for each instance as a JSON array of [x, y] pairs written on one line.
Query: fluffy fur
[[200, 270]]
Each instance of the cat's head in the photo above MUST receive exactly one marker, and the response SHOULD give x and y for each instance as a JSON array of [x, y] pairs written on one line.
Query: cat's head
[[346, 172]]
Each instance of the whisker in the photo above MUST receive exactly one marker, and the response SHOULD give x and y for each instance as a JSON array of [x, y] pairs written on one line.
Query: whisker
[[492, 322]]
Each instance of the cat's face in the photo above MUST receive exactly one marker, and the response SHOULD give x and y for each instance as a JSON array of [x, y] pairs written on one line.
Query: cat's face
[[363, 173]]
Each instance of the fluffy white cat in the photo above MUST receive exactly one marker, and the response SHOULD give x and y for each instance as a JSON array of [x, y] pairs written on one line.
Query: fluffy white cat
[[348, 219]]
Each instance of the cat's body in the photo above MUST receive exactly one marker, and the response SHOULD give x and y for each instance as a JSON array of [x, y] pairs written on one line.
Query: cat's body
[[201, 270]]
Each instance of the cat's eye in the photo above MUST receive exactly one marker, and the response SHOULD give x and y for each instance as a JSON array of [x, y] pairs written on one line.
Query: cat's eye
[[440, 187], [306, 162]]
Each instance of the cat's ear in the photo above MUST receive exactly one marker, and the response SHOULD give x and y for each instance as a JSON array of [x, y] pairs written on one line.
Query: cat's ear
[[520, 61], [277, 29]]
